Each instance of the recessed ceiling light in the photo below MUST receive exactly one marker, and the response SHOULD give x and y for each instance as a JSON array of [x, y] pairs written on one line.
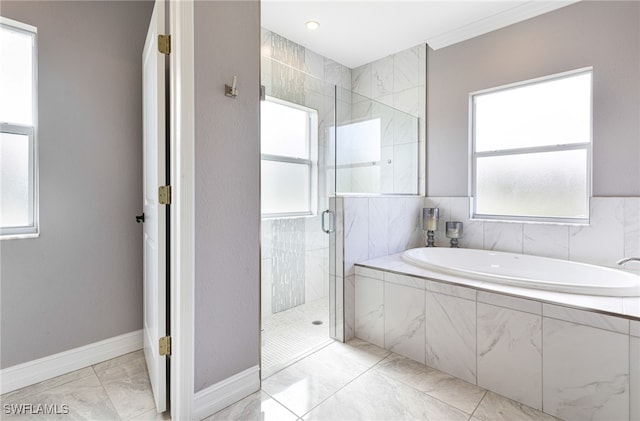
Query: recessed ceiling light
[[313, 25]]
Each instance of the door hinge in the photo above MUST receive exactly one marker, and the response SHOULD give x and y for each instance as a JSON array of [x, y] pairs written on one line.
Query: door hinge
[[164, 44], [164, 195], [165, 346]]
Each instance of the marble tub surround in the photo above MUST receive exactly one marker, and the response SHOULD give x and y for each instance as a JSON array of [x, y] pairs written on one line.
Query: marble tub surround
[[613, 232], [536, 348]]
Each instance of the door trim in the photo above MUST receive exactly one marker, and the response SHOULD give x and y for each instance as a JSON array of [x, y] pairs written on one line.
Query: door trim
[[182, 169]]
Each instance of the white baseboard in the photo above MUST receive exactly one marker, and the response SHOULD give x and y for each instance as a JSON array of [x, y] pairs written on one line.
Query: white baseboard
[[26, 374], [222, 394]]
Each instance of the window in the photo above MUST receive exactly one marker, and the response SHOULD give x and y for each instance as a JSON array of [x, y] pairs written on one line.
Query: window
[[289, 159], [531, 150], [18, 199]]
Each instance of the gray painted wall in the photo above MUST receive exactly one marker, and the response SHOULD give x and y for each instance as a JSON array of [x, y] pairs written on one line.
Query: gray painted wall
[[227, 216], [81, 280], [602, 34]]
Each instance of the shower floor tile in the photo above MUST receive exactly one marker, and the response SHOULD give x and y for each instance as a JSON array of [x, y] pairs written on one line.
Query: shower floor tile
[[290, 335]]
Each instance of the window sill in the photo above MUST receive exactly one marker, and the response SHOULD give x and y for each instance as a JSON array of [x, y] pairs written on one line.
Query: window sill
[[19, 236]]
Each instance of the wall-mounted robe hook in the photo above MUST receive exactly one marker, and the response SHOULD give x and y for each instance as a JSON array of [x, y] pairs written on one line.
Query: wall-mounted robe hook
[[231, 91]]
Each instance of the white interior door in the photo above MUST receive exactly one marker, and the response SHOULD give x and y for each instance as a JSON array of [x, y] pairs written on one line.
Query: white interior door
[[155, 233]]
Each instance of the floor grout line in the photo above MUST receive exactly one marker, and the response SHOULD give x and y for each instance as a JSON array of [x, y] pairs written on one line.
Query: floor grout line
[[347, 384], [479, 402]]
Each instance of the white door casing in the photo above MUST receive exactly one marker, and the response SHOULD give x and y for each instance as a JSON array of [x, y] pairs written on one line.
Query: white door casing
[[155, 233]]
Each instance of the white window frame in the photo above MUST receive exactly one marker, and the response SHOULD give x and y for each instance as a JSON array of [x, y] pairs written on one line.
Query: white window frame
[[474, 155], [33, 229], [312, 162]]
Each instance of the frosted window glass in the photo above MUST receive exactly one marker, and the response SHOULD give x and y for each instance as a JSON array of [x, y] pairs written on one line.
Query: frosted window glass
[[359, 142], [285, 187], [549, 184], [284, 130], [553, 112], [16, 76], [14, 180]]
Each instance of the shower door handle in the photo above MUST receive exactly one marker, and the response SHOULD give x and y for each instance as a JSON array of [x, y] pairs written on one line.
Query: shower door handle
[[332, 223]]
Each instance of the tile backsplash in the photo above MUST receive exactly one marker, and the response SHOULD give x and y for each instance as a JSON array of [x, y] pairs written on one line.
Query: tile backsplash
[[613, 232]]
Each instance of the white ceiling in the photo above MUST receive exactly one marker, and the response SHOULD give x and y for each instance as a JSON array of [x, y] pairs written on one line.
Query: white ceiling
[[357, 32]]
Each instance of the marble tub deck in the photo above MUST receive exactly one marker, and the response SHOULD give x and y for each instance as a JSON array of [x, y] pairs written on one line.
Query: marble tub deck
[[626, 307]]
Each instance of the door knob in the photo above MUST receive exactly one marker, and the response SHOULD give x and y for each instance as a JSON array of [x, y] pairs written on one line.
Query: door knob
[[140, 218]]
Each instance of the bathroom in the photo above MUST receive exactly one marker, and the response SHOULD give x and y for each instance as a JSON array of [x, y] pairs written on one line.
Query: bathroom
[[371, 225]]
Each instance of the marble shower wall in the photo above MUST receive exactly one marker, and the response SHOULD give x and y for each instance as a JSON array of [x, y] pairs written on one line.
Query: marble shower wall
[[614, 232], [295, 251], [372, 227], [398, 81]]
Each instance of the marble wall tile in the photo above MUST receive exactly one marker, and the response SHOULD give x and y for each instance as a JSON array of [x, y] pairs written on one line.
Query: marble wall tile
[[266, 284], [386, 169], [449, 289], [591, 385], [404, 223], [510, 353], [315, 275], [500, 236], [632, 230], [313, 64], [514, 303], [361, 80], [634, 378], [314, 237], [586, 244], [409, 101], [378, 230], [387, 123], [451, 335], [406, 69], [546, 240], [405, 169], [634, 328], [404, 280], [349, 307], [473, 230], [587, 318], [404, 316], [369, 273], [356, 232], [369, 310], [382, 79], [337, 74]]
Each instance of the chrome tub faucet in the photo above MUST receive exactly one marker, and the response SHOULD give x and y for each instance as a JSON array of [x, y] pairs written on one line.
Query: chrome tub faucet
[[627, 259]]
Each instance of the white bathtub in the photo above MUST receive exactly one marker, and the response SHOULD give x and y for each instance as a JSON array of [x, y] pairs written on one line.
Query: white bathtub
[[526, 271]]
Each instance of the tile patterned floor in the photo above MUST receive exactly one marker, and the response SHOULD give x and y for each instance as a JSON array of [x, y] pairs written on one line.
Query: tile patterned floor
[[290, 335], [352, 381], [117, 389], [360, 381]]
